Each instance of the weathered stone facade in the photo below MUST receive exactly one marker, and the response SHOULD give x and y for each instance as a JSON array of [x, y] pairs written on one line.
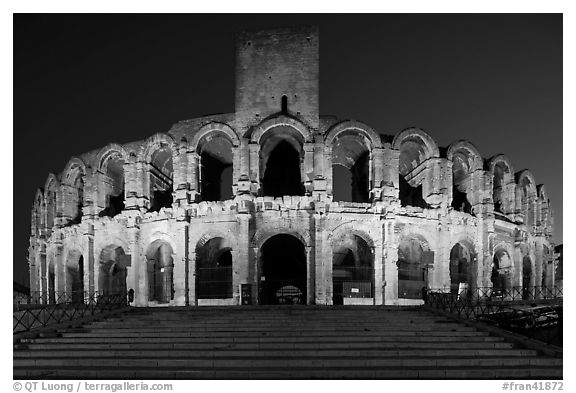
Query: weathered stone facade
[[187, 216]]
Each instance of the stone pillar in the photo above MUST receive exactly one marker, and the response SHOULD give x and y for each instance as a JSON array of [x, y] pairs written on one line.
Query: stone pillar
[[180, 264], [328, 173], [319, 186], [254, 168], [142, 295], [307, 171], [253, 260], [142, 185], [321, 260], [310, 275], [133, 264], [192, 301], [180, 180], [378, 161], [390, 179], [241, 262], [378, 276], [192, 176], [390, 257], [60, 273]]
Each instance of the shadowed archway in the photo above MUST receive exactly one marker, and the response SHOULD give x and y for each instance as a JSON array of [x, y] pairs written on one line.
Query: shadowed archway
[[283, 271]]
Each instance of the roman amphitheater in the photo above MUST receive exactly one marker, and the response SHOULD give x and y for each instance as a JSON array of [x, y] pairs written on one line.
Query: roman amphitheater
[[275, 203]]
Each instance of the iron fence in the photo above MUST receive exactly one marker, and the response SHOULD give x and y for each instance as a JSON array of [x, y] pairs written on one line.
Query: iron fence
[[282, 292], [534, 312], [214, 282], [65, 307]]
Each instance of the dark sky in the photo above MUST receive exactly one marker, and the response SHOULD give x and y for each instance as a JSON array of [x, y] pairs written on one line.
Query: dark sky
[[82, 81]]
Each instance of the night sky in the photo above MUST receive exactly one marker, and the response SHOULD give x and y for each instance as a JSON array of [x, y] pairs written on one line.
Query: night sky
[[83, 81]]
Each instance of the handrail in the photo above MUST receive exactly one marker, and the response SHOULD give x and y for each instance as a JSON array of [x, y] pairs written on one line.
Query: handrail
[[534, 312], [63, 307]]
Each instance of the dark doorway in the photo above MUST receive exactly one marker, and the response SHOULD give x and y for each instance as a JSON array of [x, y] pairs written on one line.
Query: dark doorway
[[414, 260], [160, 270], [214, 270], [282, 173], [352, 270], [460, 259], [283, 272], [76, 277]]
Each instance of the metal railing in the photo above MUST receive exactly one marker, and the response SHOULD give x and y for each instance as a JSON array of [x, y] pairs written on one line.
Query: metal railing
[[214, 282], [63, 307], [535, 312]]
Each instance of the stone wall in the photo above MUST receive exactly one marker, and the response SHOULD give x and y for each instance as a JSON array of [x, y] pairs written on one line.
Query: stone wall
[[96, 219]]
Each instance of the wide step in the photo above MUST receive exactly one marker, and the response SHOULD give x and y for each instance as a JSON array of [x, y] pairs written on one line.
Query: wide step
[[277, 343]]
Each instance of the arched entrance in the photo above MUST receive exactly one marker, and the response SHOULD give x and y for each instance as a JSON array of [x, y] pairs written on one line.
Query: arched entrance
[[500, 276], [213, 269], [112, 275], [75, 277], [160, 268], [283, 271], [352, 270], [281, 158], [414, 261], [461, 269]]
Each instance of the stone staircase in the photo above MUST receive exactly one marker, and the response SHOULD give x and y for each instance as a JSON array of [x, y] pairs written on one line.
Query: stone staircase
[[291, 342]]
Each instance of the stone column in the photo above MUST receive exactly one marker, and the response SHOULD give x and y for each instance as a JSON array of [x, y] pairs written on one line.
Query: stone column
[[192, 301], [241, 262], [180, 176], [180, 265], [253, 258], [192, 176], [390, 258], [378, 162], [378, 275], [320, 259], [328, 173], [60, 273], [254, 168], [307, 171], [310, 275], [390, 185], [133, 265]]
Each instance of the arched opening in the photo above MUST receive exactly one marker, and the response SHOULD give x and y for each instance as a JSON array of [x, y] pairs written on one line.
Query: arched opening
[[216, 169], [75, 277], [500, 170], [113, 185], [414, 262], [412, 171], [352, 270], [284, 105], [214, 269], [351, 168], [281, 156], [160, 266], [112, 276], [161, 179], [461, 166], [461, 267], [77, 201], [411, 196], [500, 275], [282, 175], [527, 278], [51, 203], [283, 271]]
